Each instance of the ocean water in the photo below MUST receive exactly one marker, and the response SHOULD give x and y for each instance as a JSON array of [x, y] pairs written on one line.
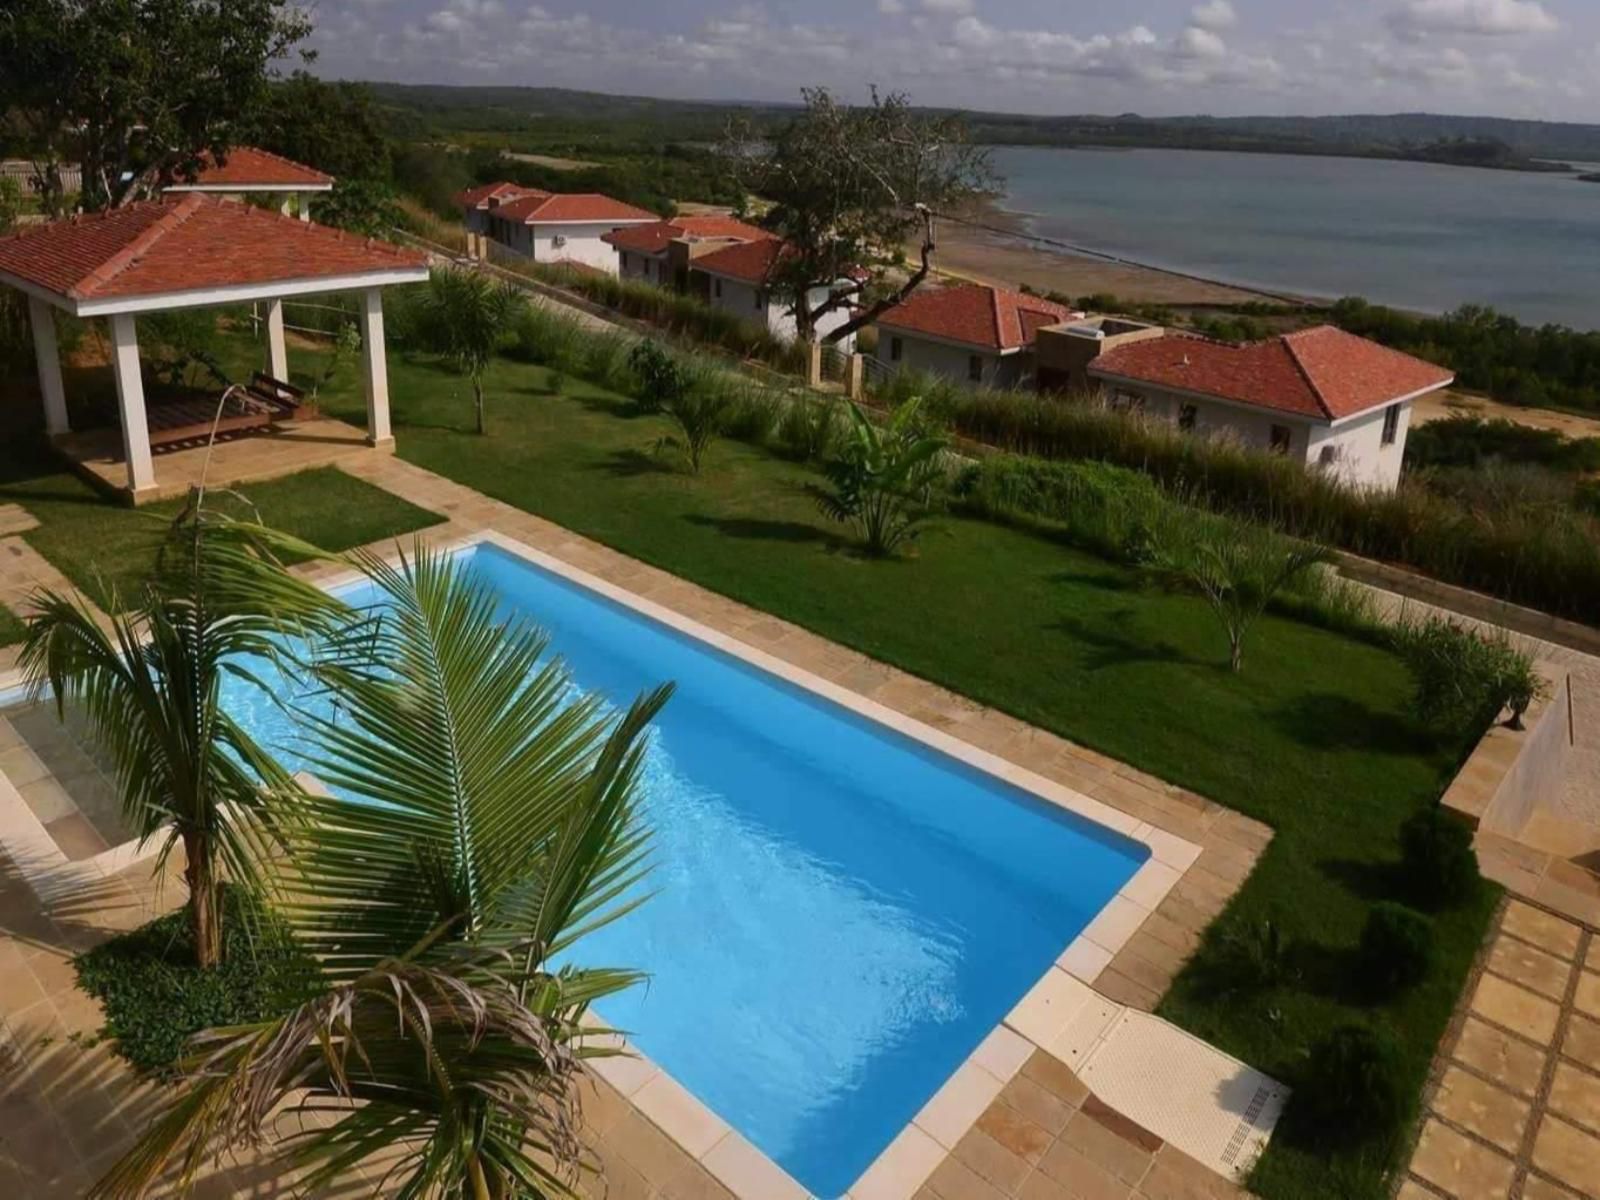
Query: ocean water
[[1415, 235], [837, 915]]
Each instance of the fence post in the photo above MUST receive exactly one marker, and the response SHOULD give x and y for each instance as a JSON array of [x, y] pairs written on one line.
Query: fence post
[[814, 366], [856, 377]]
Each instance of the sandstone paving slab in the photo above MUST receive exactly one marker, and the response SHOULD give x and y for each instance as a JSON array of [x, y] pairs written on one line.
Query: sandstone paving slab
[[1516, 1008], [1482, 1108], [1567, 1153], [1550, 933], [1508, 1060], [1459, 1166]]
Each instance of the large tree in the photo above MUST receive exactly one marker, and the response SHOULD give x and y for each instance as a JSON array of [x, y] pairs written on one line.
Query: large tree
[[850, 187], [138, 91]]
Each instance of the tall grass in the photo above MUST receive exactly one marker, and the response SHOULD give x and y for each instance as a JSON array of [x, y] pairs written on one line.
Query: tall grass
[[1535, 554]]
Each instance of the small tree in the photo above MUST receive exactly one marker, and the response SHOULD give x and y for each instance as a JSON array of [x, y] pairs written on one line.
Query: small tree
[[346, 342], [882, 477], [463, 318], [849, 186], [701, 414], [1464, 679], [1236, 570]]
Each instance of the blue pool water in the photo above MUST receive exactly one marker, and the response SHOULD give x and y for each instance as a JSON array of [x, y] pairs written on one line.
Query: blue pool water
[[839, 914]]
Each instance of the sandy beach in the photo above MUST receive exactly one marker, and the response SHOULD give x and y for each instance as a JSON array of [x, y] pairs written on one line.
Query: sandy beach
[[974, 247]]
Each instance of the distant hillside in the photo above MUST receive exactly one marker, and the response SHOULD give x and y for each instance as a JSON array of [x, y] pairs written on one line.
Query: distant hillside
[[562, 117]]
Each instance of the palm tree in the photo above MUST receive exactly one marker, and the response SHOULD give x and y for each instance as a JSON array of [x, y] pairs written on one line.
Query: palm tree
[[476, 821], [149, 686], [464, 316], [881, 477]]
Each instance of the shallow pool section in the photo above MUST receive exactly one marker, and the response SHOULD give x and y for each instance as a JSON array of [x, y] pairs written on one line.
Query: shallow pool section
[[840, 914]]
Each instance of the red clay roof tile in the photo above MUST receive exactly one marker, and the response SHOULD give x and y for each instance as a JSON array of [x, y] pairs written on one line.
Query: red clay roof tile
[[480, 196], [191, 243], [976, 314], [541, 207], [653, 239], [1323, 373]]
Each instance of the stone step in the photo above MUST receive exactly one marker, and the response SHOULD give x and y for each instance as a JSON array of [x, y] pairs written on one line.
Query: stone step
[[16, 519]]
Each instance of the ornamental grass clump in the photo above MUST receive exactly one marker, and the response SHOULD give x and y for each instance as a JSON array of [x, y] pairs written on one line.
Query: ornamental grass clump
[[1463, 679]]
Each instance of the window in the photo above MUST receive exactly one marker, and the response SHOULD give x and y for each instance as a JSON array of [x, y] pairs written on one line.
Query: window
[[1328, 455], [1188, 416], [975, 367], [895, 349], [625, 263], [1391, 424], [716, 285], [1126, 402], [1279, 439], [760, 300]]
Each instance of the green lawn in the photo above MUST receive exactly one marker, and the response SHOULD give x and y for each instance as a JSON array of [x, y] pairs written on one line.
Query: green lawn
[[1314, 737], [11, 629], [101, 545]]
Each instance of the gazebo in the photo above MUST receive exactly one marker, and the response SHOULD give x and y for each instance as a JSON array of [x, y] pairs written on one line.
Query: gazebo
[[248, 171], [190, 252]]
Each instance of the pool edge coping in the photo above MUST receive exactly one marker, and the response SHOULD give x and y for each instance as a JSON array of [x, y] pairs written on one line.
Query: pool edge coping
[[954, 1108]]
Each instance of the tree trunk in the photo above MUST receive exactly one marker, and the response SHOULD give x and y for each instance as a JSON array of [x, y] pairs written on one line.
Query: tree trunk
[[1236, 651], [205, 921], [477, 400]]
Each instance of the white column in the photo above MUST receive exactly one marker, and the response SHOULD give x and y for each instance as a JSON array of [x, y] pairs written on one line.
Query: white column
[[48, 357], [277, 350], [286, 205], [130, 402], [304, 204], [375, 368]]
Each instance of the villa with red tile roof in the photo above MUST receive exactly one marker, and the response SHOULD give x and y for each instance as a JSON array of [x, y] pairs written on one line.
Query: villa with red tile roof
[[738, 279], [973, 332], [660, 253], [1322, 396], [548, 227], [247, 170]]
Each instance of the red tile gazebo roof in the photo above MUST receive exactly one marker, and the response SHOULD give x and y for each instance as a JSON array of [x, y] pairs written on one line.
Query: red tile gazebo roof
[[193, 250], [247, 168]]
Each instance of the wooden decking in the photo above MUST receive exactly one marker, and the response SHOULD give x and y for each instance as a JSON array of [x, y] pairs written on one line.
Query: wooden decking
[[248, 456]]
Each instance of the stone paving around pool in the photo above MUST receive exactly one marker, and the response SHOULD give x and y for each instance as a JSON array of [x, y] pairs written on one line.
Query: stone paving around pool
[[69, 1108], [1514, 1106]]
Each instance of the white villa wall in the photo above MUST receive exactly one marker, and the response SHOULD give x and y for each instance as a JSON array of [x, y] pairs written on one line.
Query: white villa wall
[[577, 241], [950, 361], [1360, 459], [751, 303]]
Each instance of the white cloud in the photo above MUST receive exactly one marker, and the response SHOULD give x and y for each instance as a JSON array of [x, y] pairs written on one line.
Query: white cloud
[[1214, 15], [1195, 42], [1488, 17], [891, 8], [950, 8]]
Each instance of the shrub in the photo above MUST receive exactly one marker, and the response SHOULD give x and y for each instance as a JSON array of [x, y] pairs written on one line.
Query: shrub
[[1464, 679], [809, 430], [1110, 510], [1396, 947], [155, 997], [1249, 954], [1437, 859], [753, 416], [661, 378], [1352, 1086]]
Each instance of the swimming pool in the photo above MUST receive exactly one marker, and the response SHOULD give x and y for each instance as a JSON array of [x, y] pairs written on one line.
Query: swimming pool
[[840, 913]]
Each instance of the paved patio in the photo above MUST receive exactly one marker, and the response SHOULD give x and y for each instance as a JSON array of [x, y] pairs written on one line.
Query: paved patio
[[1514, 1109], [1041, 1138], [278, 450]]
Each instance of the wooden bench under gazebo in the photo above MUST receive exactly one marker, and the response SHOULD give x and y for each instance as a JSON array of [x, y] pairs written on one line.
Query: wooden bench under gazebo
[[198, 251]]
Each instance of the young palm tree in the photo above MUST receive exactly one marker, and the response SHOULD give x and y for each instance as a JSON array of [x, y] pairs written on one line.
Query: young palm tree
[[149, 686], [464, 316], [476, 821], [881, 477]]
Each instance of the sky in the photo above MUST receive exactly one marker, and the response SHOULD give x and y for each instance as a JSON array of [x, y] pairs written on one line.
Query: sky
[[1524, 58]]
